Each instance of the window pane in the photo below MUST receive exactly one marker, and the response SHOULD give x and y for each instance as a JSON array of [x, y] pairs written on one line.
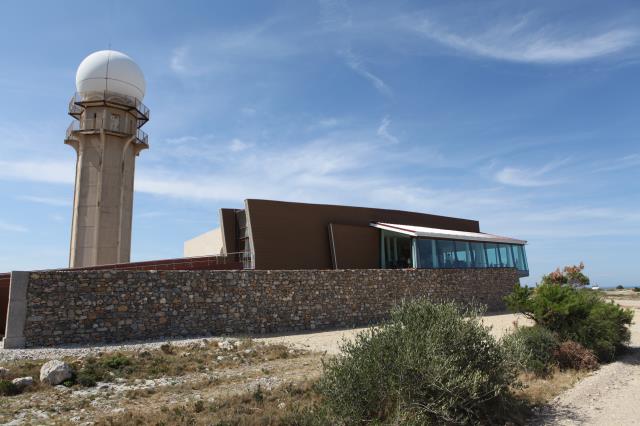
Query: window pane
[[446, 253], [478, 258], [462, 254], [506, 259], [518, 258], [492, 255], [427, 254], [397, 251]]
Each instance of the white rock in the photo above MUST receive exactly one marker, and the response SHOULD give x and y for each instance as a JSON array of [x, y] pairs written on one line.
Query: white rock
[[23, 382], [282, 405], [225, 345], [55, 372]]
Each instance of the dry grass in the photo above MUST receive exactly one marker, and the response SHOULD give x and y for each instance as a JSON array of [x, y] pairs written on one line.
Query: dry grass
[[279, 406], [538, 391]]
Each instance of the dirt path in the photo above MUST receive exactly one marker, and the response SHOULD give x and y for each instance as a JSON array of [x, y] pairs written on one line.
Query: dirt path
[[329, 341], [610, 396]]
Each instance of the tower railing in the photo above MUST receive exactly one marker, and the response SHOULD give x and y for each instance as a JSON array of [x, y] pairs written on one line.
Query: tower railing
[[82, 100], [96, 125]]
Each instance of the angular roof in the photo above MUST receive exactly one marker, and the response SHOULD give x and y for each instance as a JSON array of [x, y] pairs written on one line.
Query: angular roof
[[421, 231]]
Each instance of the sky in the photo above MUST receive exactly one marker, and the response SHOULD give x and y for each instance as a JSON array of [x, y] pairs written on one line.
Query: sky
[[522, 115]]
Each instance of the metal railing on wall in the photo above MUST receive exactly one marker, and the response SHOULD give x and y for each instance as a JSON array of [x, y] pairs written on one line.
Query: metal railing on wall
[[81, 100], [90, 125]]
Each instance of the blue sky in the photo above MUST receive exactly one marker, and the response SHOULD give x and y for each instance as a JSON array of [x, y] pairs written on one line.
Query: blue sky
[[522, 115]]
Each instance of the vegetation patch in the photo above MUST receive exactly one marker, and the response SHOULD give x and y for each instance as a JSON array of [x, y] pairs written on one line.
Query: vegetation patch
[[572, 355], [532, 349], [580, 315], [431, 363]]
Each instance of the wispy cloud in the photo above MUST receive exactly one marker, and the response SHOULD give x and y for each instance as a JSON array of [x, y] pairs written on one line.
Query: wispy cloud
[[527, 177], [215, 51], [50, 201], [626, 162], [355, 63], [10, 227], [237, 145], [38, 171], [383, 131], [522, 40]]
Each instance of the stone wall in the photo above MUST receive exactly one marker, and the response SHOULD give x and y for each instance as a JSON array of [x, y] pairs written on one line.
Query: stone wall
[[84, 307]]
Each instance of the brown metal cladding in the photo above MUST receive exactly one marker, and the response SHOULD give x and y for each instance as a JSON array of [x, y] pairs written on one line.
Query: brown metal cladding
[[296, 235], [5, 280], [354, 247], [228, 229]]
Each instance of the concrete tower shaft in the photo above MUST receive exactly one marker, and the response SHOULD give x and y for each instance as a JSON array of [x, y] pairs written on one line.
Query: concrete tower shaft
[[107, 139]]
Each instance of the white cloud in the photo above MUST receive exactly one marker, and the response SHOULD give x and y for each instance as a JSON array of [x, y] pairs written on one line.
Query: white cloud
[[626, 162], [214, 51], [38, 171], [237, 145], [523, 41], [355, 63], [10, 227], [383, 131], [527, 177], [50, 201]]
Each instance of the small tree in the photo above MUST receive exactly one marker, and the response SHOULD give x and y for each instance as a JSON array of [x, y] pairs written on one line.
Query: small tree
[[571, 275]]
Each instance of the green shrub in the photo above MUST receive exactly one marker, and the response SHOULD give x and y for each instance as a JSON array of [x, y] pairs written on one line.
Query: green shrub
[[87, 378], [575, 314], [636, 289], [7, 388], [619, 287], [431, 363], [532, 349], [116, 361], [573, 355]]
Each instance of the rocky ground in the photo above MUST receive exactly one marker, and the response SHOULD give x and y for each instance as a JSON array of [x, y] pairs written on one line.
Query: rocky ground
[[197, 372]]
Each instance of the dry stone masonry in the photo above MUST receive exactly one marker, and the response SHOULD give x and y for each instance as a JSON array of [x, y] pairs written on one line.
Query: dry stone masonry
[[87, 307]]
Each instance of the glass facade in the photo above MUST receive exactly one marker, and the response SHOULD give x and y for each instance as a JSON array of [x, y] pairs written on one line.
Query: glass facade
[[396, 251], [400, 251]]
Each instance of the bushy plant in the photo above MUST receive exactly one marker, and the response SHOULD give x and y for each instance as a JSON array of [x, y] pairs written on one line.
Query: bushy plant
[[7, 388], [116, 361], [573, 355], [575, 314], [636, 289], [619, 287], [532, 349], [571, 275], [431, 363]]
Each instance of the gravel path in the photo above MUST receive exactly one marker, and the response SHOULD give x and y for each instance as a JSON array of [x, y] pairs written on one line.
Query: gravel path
[[610, 396], [323, 341]]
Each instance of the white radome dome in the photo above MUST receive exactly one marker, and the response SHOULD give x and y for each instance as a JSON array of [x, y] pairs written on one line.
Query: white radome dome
[[113, 71]]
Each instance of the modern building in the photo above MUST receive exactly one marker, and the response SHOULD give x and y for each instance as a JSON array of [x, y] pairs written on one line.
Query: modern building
[[284, 235], [105, 133]]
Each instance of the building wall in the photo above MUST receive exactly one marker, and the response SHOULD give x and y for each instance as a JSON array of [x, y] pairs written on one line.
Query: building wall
[[86, 307], [207, 244], [296, 235], [354, 247]]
